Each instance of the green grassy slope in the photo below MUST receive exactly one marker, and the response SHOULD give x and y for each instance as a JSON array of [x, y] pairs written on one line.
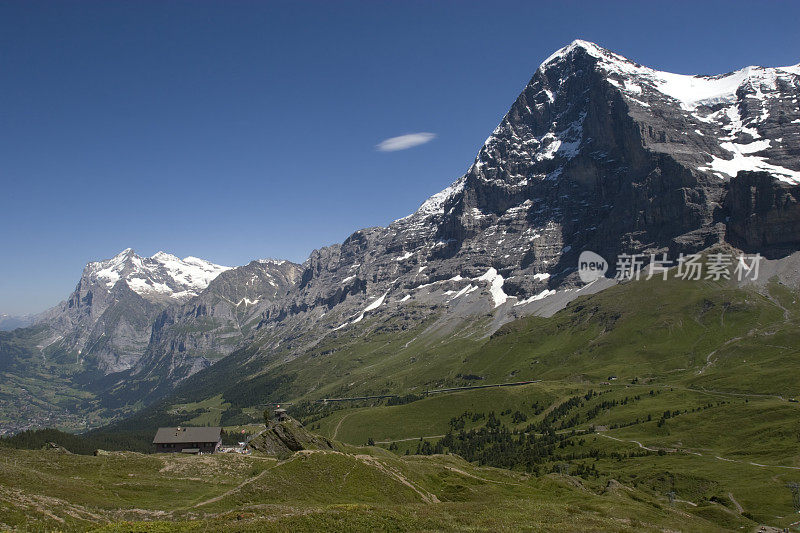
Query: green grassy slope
[[357, 490], [722, 360]]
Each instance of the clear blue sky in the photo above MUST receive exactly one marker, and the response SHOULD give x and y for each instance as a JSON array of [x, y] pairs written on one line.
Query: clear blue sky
[[235, 130]]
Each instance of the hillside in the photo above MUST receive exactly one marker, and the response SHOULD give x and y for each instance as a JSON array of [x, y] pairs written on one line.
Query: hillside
[[717, 335], [357, 489], [640, 389], [648, 383]]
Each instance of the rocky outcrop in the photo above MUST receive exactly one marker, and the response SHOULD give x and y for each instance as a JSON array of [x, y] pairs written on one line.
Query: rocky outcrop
[[282, 439]]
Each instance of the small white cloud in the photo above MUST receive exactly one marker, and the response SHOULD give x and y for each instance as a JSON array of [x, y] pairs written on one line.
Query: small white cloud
[[404, 142]]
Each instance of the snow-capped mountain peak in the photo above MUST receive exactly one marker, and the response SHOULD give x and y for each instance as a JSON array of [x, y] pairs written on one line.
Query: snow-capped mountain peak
[[158, 277], [745, 120], [587, 46]]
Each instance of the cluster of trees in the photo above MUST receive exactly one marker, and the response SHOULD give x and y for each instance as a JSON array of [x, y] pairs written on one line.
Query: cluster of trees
[[605, 405], [550, 440], [460, 421], [537, 408], [260, 390], [561, 410], [666, 415], [401, 400], [137, 441], [497, 445]]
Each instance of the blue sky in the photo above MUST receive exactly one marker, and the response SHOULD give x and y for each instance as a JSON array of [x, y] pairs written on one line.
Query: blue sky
[[238, 130]]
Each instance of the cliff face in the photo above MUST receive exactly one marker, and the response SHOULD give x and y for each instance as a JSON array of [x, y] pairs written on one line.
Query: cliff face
[[190, 337], [764, 215], [596, 153]]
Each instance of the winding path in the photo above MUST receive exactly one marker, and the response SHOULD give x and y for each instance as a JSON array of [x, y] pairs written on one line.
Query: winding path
[[336, 429], [717, 457]]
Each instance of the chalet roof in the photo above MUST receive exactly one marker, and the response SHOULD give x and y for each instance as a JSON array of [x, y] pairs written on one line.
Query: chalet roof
[[183, 435]]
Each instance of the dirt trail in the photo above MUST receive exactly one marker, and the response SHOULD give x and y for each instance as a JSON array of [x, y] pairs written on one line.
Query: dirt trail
[[336, 429], [710, 362], [717, 457], [738, 507], [427, 497], [232, 490], [642, 446], [464, 473]]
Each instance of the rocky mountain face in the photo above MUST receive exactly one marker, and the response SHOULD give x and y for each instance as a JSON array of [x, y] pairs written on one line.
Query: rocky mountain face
[[131, 320], [128, 309], [764, 214], [107, 321], [190, 337], [597, 153]]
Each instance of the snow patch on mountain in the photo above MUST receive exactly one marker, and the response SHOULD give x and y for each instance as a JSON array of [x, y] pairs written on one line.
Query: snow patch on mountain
[[435, 204], [740, 162], [536, 297], [496, 286], [374, 305]]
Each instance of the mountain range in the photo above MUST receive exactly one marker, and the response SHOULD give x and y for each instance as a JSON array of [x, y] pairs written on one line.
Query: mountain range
[[597, 153]]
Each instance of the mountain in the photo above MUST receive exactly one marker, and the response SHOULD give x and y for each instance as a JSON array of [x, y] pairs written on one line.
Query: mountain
[[9, 322], [190, 337], [597, 153], [108, 318], [68, 365]]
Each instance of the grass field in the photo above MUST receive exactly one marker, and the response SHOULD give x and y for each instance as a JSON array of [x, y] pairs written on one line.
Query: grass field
[[356, 489], [719, 447]]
